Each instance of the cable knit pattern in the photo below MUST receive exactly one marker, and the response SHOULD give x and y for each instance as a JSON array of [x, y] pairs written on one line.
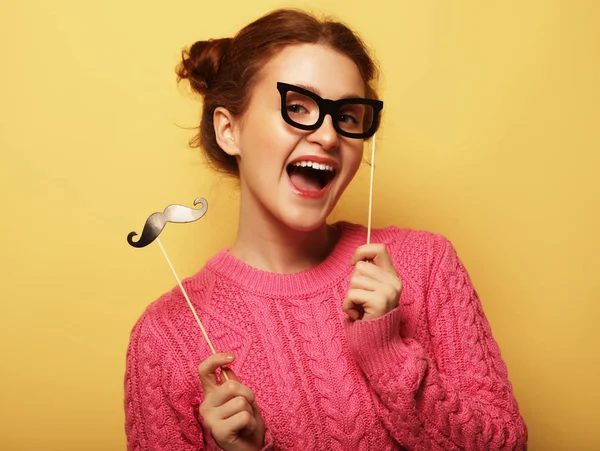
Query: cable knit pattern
[[425, 376]]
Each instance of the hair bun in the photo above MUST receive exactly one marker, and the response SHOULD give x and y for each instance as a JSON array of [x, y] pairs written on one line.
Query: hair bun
[[200, 63]]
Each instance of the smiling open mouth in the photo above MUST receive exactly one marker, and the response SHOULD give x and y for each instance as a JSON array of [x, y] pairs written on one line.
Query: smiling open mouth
[[309, 176]]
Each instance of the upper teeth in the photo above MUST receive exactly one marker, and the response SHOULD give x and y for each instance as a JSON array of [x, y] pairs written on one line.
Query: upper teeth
[[311, 164]]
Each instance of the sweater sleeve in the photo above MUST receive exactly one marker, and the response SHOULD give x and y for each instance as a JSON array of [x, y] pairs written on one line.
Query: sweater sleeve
[[152, 423], [157, 416], [452, 393]]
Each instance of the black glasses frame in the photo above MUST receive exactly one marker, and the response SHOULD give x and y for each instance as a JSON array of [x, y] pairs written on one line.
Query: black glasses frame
[[331, 107]]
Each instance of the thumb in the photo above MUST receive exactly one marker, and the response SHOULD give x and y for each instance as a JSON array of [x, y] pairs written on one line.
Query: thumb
[[207, 370]]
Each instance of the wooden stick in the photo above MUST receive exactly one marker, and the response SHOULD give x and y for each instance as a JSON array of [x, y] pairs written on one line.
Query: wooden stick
[[371, 191], [190, 305]]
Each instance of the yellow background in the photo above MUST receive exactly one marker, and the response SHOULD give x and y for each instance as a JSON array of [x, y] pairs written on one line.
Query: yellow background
[[490, 136]]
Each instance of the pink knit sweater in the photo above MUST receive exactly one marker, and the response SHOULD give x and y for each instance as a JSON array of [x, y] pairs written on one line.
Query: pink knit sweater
[[425, 376]]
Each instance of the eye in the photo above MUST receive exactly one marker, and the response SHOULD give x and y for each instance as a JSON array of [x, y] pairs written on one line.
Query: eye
[[351, 115], [296, 109], [347, 118]]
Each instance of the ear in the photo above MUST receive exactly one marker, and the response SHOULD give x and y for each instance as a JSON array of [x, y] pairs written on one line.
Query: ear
[[225, 131]]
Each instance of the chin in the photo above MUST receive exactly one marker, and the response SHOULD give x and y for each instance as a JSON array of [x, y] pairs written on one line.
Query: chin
[[301, 221]]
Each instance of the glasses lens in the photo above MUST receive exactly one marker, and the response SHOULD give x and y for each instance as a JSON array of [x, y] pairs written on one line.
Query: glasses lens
[[301, 109], [355, 117]]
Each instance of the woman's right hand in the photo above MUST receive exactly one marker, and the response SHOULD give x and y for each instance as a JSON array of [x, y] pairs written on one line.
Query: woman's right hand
[[229, 411]]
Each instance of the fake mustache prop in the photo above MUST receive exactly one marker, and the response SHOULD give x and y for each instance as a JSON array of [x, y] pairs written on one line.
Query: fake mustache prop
[[156, 222], [154, 225]]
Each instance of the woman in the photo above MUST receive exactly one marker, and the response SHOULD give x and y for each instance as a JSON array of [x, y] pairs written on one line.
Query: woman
[[330, 343]]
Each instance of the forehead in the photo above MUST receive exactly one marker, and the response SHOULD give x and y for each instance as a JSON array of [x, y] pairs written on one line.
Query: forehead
[[332, 74]]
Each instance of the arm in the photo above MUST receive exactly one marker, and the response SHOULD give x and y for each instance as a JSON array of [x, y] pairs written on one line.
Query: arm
[[449, 393], [158, 416], [151, 421]]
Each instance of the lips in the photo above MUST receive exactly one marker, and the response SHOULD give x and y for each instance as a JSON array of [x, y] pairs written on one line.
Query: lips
[[311, 176]]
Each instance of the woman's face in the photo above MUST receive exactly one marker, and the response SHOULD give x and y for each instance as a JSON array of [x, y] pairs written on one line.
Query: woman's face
[[275, 158]]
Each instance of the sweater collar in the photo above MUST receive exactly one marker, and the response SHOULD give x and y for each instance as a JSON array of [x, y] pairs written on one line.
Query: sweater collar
[[327, 273]]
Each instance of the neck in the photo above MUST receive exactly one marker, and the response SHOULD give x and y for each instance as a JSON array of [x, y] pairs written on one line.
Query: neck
[[265, 243]]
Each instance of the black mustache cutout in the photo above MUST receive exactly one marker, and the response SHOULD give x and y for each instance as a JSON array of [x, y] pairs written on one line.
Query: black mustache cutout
[[173, 213]]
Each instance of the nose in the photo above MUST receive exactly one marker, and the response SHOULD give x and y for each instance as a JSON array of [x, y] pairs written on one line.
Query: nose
[[325, 135]]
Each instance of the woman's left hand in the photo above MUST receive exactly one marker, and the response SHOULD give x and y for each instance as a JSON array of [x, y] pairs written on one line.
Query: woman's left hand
[[375, 286]]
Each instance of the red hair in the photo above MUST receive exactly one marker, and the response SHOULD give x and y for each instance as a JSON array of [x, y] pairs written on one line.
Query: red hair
[[223, 70]]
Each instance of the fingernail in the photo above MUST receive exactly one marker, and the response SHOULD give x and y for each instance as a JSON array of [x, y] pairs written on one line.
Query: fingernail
[[229, 357]]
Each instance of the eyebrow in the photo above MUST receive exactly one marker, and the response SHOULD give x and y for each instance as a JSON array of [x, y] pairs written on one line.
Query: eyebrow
[[318, 92]]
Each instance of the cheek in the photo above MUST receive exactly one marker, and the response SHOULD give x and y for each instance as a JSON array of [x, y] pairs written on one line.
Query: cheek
[[268, 130], [354, 159], [267, 144]]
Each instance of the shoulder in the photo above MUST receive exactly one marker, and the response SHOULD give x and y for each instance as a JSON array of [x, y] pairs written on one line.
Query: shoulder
[[416, 253], [165, 319], [412, 244], [415, 241], [152, 322]]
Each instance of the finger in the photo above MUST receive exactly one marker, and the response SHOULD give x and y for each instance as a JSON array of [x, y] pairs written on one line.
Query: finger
[[368, 301], [234, 406], [230, 390], [230, 374], [363, 298], [208, 367], [375, 252], [357, 302], [355, 312], [352, 310], [374, 272], [361, 282], [240, 421], [256, 409], [388, 285]]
